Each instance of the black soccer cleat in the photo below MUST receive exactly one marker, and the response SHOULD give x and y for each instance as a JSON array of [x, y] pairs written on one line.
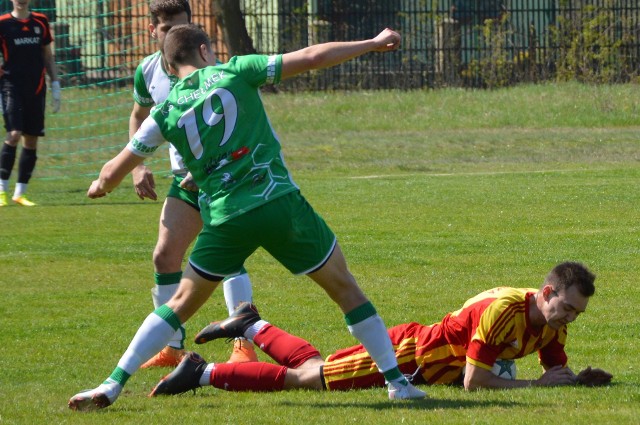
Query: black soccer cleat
[[185, 377], [233, 326]]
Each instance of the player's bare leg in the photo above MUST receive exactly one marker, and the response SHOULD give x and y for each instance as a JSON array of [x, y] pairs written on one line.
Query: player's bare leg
[[363, 322]]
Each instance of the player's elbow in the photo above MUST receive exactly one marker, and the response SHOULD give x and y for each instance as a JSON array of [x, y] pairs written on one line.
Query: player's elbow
[[474, 380], [471, 385], [314, 58]]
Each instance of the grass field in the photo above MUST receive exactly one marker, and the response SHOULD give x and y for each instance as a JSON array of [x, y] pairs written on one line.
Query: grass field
[[434, 196]]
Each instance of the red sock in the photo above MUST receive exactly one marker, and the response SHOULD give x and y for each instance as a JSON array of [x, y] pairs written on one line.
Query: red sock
[[253, 376], [286, 349]]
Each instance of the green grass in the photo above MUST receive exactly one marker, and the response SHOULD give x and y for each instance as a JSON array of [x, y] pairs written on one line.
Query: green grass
[[434, 196]]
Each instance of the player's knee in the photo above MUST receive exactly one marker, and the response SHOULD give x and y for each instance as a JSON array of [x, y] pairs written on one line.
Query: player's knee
[[303, 378], [13, 137], [165, 260]]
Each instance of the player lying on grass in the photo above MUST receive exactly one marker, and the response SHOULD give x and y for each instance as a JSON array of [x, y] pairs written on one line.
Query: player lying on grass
[[501, 323]]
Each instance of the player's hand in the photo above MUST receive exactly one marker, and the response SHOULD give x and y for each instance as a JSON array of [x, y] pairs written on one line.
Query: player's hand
[[144, 183], [55, 96], [95, 190], [188, 183], [557, 375], [387, 40], [593, 377]]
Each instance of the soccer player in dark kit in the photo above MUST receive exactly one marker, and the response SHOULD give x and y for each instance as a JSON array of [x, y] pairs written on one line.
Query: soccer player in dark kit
[[25, 42]]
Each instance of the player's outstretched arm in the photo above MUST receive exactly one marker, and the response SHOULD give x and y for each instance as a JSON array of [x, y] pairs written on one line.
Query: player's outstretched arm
[[330, 54], [476, 378], [113, 172]]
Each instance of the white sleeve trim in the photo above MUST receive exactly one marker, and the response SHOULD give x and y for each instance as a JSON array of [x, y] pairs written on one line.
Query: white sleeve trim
[[147, 139]]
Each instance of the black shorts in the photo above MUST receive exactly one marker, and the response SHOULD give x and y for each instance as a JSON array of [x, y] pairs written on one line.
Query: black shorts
[[22, 109]]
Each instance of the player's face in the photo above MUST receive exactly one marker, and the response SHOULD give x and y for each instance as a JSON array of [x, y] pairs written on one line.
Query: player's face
[[21, 4], [159, 32], [563, 306]]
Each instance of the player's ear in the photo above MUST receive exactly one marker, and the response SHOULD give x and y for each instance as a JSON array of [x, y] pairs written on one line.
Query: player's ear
[[152, 31], [547, 292], [206, 53]]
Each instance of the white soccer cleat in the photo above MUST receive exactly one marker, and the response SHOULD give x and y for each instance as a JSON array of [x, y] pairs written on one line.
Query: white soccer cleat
[[398, 391], [98, 398]]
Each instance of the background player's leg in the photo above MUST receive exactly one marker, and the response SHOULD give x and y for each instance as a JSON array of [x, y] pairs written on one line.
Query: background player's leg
[[26, 165], [179, 225]]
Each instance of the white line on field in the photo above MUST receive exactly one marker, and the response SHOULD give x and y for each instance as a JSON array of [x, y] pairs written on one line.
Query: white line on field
[[479, 173]]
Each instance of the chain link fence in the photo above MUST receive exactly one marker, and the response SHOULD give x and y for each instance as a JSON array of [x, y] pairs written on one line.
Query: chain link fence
[[462, 43]]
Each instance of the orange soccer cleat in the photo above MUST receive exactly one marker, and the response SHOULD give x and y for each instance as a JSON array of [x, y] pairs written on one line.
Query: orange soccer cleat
[[168, 357], [243, 352]]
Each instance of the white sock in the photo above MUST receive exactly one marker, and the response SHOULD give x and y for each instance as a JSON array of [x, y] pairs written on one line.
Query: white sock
[[254, 329], [163, 293], [372, 333], [21, 189], [237, 289], [152, 336], [160, 295], [4, 185], [205, 379]]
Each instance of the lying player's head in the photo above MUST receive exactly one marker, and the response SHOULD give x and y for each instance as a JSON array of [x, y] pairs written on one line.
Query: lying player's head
[[166, 14], [566, 291], [568, 274], [186, 45]]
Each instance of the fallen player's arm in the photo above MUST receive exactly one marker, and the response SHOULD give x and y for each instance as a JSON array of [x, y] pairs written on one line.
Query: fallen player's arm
[[113, 172], [476, 378]]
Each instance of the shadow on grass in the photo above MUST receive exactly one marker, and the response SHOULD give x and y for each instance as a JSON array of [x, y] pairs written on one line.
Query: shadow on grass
[[426, 404]]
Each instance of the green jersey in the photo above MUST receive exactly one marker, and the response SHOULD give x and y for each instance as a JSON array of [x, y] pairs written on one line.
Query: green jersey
[[216, 120]]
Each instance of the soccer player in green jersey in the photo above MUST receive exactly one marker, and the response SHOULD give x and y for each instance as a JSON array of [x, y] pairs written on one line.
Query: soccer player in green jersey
[[180, 220], [216, 120]]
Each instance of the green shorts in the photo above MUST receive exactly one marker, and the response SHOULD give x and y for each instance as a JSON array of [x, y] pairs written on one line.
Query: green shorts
[[287, 228], [175, 191]]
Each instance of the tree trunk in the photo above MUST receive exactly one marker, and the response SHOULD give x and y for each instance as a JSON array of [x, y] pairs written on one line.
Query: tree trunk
[[229, 16], [234, 30]]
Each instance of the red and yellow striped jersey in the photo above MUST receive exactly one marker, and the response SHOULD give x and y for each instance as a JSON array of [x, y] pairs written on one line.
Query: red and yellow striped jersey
[[492, 325], [495, 325]]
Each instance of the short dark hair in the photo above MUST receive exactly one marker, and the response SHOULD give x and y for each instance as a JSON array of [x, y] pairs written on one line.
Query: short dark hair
[[572, 273], [162, 9], [182, 43]]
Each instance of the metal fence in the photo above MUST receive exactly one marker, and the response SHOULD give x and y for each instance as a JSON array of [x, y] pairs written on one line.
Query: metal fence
[[471, 43], [479, 43]]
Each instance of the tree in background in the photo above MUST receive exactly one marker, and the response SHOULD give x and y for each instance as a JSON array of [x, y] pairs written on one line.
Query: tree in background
[[230, 18]]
